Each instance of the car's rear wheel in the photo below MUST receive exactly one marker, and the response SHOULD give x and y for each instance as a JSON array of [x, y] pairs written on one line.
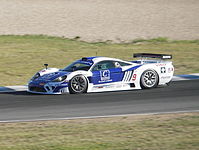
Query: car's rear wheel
[[149, 79], [78, 84]]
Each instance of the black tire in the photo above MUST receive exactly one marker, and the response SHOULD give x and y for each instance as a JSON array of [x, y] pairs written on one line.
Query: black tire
[[149, 79], [78, 84]]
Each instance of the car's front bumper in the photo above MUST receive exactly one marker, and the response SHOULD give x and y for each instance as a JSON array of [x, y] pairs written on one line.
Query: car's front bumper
[[48, 88]]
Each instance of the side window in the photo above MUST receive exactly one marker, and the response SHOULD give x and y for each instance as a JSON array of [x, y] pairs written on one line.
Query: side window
[[124, 64], [103, 65]]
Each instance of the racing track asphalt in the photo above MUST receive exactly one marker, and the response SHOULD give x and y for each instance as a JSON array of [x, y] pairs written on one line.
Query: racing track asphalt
[[179, 96]]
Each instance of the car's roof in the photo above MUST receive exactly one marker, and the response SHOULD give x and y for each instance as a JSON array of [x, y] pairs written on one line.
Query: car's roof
[[99, 58]]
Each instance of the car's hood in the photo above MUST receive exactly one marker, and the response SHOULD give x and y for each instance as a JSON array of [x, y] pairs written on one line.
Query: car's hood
[[52, 76]]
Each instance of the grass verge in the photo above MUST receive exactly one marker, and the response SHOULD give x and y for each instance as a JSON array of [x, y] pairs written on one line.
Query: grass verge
[[22, 56], [155, 132]]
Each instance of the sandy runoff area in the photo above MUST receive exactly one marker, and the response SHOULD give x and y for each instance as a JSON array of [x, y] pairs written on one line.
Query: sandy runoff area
[[101, 20]]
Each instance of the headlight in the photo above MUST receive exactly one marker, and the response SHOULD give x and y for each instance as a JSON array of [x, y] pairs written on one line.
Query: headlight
[[37, 75], [60, 79]]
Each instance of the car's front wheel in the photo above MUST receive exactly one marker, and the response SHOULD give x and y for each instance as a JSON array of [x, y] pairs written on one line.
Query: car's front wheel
[[149, 79], [78, 84]]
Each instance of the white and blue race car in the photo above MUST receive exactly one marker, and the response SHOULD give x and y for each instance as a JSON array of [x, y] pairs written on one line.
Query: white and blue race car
[[99, 74]]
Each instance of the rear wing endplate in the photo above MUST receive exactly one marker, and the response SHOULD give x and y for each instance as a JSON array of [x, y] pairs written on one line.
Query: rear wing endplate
[[149, 55]]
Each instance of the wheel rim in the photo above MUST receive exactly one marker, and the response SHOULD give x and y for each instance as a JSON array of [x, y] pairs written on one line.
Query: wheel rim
[[149, 79], [78, 84]]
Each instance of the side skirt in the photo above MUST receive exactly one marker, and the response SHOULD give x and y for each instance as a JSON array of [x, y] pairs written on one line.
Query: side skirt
[[117, 86]]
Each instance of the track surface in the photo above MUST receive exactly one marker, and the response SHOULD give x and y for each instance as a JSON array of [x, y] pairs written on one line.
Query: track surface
[[179, 96]]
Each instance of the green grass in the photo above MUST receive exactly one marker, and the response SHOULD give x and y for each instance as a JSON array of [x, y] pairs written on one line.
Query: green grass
[[22, 56], [156, 132], [159, 39]]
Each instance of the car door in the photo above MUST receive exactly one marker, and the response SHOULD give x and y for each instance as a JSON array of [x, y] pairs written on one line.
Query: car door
[[106, 72]]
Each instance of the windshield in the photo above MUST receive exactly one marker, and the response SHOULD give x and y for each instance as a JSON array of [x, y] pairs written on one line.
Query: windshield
[[80, 65]]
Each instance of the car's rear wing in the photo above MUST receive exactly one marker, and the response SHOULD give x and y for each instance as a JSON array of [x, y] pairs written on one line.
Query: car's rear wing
[[149, 55], [151, 58]]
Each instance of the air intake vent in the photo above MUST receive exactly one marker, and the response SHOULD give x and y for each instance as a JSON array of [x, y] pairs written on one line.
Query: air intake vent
[[132, 85]]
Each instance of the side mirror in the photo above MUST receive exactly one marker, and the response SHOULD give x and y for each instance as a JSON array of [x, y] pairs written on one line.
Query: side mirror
[[46, 65]]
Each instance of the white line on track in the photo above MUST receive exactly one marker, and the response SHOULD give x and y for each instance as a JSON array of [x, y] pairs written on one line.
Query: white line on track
[[94, 117]]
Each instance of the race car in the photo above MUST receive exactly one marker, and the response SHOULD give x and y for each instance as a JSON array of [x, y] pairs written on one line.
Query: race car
[[99, 74]]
